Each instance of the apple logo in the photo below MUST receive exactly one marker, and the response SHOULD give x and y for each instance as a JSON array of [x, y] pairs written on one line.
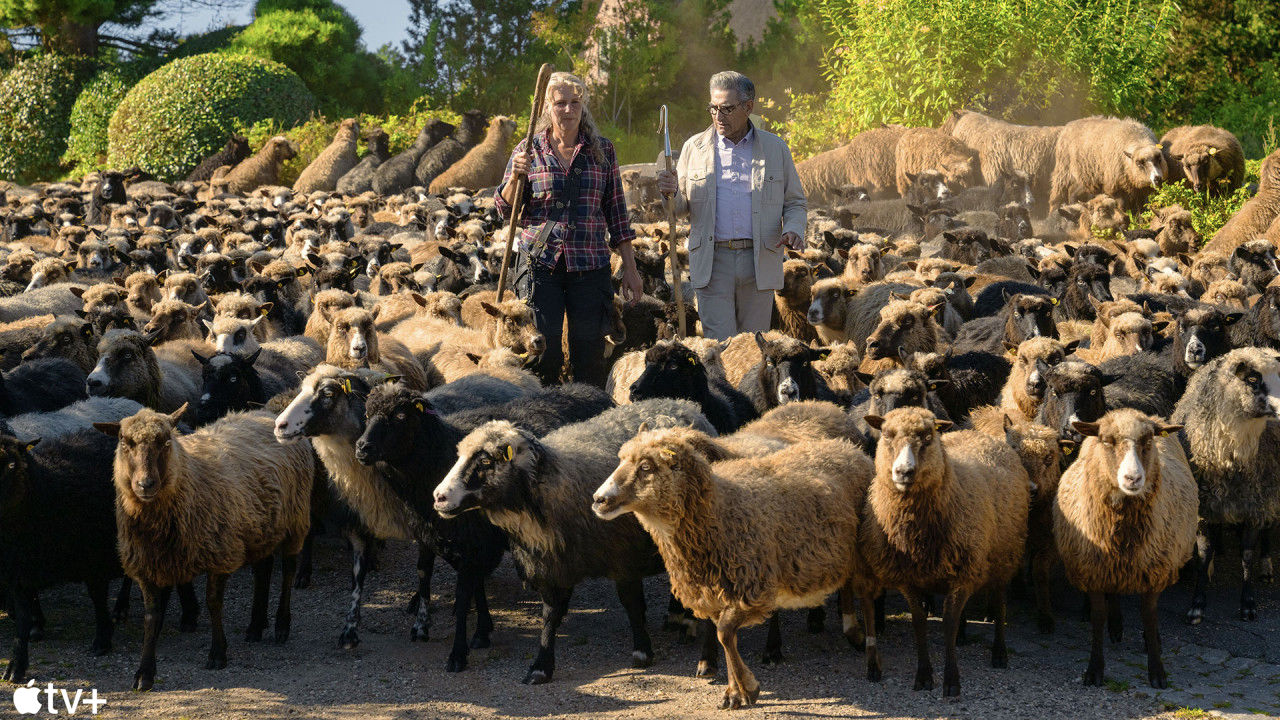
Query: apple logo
[[26, 700]]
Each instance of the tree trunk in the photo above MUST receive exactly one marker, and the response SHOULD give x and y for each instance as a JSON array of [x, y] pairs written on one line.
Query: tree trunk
[[71, 38]]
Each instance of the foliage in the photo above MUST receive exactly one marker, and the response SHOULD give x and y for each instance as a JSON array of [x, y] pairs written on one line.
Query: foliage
[[72, 26], [178, 115], [212, 41], [87, 141], [795, 39], [36, 98], [319, 41], [1208, 214], [913, 61]]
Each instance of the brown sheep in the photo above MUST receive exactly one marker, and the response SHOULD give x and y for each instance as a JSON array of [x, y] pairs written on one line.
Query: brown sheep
[[905, 327], [261, 169], [64, 337], [867, 161], [248, 307], [1256, 215], [921, 149], [791, 302], [209, 503], [839, 313], [50, 271], [725, 531], [863, 265], [393, 278], [484, 164], [508, 325], [1228, 293], [1128, 333], [442, 305], [1207, 157], [1125, 522], [1005, 149], [840, 370], [1205, 269], [142, 291], [354, 343], [945, 513], [1025, 387], [186, 287], [173, 320], [333, 162], [1109, 156], [1175, 233], [327, 304]]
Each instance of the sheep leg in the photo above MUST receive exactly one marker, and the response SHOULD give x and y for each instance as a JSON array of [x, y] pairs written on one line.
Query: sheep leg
[[261, 591], [631, 593], [22, 602], [215, 587], [708, 661], [999, 606], [1098, 616], [817, 619], [120, 613], [1266, 571], [155, 600], [952, 615], [103, 626], [880, 599], [1206, 543], [464, 592], [303, 578], [920, 625], [1041, 569], [874, 673], [484, 621], [555, 605], [284, 611], [1151, 634], [773, 641], [36, 634], [1250, 536], [349, 638], [422, 612], [743, 688], [190, 608], [1115, 621], [849, 625]]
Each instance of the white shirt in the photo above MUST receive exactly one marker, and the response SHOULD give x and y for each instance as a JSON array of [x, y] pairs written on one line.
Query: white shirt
[[733, 186]]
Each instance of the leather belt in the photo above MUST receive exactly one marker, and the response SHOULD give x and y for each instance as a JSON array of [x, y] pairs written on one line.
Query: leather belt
[[735, 244]]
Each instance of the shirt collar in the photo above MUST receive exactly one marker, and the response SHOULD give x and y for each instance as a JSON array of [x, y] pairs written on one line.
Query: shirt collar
[[746, 140]]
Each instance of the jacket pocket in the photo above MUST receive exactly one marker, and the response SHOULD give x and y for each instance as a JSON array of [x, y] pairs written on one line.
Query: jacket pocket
[[771, 191], [698, 186]]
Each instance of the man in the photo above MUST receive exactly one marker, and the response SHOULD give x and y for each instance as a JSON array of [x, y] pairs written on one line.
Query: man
[[738, 185]]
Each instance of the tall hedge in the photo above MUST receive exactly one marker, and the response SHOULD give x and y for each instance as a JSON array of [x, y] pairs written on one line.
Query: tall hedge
[[178, 115], [36, 97], [87, 141]]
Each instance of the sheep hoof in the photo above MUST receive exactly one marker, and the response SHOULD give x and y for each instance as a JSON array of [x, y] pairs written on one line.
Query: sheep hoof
[[641, 659], [1195, 616], [1093, 675], [1158, 678], [817, 620], [457, 662], [999, 658], [924, 680], [349, 639], [281, 636], [1266, 571], [143, 681], [951, 689], [480, 642], [536, 677], [14, 674], [874, 673], [1116, 634], [302, 580], [217, 661], [417, 633], [187, 625], [771, 657], [1248, 611], [706, 669]]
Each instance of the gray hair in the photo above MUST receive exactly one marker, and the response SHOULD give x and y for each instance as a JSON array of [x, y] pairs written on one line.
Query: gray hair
[[736, 81]]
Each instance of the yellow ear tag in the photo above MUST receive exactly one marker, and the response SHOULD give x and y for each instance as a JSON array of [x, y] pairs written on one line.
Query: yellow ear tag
[[420, 407], [693, 361], [1213, 151], [510, 453], [263, 311], [1067, 450], [1053, 301], [668, 453], [346, 385]]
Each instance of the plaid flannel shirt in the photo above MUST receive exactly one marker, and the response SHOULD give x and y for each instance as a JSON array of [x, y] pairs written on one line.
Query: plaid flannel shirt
[[601, 206]]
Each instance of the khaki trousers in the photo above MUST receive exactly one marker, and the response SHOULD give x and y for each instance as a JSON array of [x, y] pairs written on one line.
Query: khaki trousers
[[730, 303]]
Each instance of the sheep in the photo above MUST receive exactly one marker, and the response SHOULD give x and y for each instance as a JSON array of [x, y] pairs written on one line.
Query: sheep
[[867, 160], [231, 382], [839, 313], [1175, 231], [1144, 381], [537, 490], [483, 165], [353, 342], [50, 271], [1261, 323], [784, 373], [1074, 392], [58, 526], [1024, 316], [1005, 149], [1127, 334], [962, 382], [208, 503], [333, 162], [1226, 293], [672, 370], [128, 367], [173, 320], [450, 150], [1111, 156], [1209, 158], [327, 303], [236, 150], [359, 179], [543, 411], [889, 390], [1025, 387], [261, 169], [186, 286], [630, 366], [142, 290], [1234, 453], [905, 327], [864, 265], [791, 302], [1255, 216], [397, 174], [725, 531], [285, 358], [509, 324], [108, 190], [79, 415], [1124, 519], [1254, 264], [41, 385], [968, 494], [920, 149]]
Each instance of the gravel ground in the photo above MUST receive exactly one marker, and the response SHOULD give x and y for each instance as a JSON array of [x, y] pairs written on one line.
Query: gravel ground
[[1223, 666]]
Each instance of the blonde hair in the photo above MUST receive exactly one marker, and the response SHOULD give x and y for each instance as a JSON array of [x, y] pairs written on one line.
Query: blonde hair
[[586, 125]]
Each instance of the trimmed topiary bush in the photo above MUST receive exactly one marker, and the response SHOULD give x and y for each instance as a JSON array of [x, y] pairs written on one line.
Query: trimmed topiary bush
[[36, 97], [178, 115], [87, 141]]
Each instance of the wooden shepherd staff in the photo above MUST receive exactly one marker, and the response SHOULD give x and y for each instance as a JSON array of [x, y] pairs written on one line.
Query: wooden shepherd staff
[[677, 291], [517, 203]]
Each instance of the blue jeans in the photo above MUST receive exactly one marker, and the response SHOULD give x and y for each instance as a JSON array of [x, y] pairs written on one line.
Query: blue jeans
[[585, 297]]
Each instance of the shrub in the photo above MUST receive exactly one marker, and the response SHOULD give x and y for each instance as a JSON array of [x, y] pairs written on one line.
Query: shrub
[[87, 141], [36, 97], [178, 115]]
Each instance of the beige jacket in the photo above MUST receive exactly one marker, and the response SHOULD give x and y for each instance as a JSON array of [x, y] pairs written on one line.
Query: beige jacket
[[777, 204]]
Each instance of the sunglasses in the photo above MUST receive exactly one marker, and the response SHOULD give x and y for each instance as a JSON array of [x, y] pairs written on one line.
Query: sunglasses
[[722, 110]]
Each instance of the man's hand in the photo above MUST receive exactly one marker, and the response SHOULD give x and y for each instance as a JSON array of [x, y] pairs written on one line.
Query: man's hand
[[791, 240], [667, 184]]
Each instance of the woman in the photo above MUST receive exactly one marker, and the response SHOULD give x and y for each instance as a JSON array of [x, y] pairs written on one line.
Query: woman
[[573, 196]]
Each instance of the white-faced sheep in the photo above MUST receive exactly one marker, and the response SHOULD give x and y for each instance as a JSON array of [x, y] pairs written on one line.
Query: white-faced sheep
[[285, 358], [726, 531], [1111, 156], [1209, 158], [968, 494], [208, 503], [1125, 522], [539, 490]]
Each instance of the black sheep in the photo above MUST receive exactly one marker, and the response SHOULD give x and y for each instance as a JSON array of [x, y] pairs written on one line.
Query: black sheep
[[1087, 284], [57, 525], [444, 154], [993, 298], [109, 190], [359, 179], [672, 370], [236, 149], [284, 314], [964, 381], [1024, 316], [1199, 335], [1163, 302], [1074, 392], [396, 174], [230, 382], [415, 448], [890, 390], [1254, 263], [785, 373], [1261, 324], [542, 412], [40, 386], [1144, 381], [956, 288]]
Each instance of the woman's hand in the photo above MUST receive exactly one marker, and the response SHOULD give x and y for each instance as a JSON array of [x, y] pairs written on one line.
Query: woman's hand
[[520, 164], [632, 286]]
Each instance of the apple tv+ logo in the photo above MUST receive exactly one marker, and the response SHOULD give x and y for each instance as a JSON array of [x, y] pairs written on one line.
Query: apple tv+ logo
[[26, 700]]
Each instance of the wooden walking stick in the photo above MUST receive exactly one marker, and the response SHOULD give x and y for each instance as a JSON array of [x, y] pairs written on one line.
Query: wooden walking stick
[[669, 203], [517, 201]]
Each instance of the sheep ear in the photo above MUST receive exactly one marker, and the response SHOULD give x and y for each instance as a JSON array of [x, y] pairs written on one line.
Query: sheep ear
[[1068, 446], [941, 425], [77, 291], [1159, 325], [208, 325], [1233, 318], [899, 296], [490, 309], [203, 360], [1086, 428], [473, 358], [1033, 272], [969, 281], [82, 314], [1185, 259], [377, 309], [760, 343], [392, 379], [1012, 347], [419, 299], [119, 281], [254, 357], [1167, 430], [1071, 346], [875, 421], [87, 329], [866, 378], [176, 415], [266, 308], [110, 428], [32, 443], [935, 384], [1008, 421]]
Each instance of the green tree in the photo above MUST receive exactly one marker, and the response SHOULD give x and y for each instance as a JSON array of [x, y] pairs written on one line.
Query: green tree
[[74, 26]]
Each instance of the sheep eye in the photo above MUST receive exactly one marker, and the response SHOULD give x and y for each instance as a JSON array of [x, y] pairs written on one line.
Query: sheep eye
[[646, 466], [233, 378], [400, 415], [12, 465], [1092, 393]]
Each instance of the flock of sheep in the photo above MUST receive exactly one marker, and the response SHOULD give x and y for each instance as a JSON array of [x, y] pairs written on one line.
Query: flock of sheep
[[977, 366]]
